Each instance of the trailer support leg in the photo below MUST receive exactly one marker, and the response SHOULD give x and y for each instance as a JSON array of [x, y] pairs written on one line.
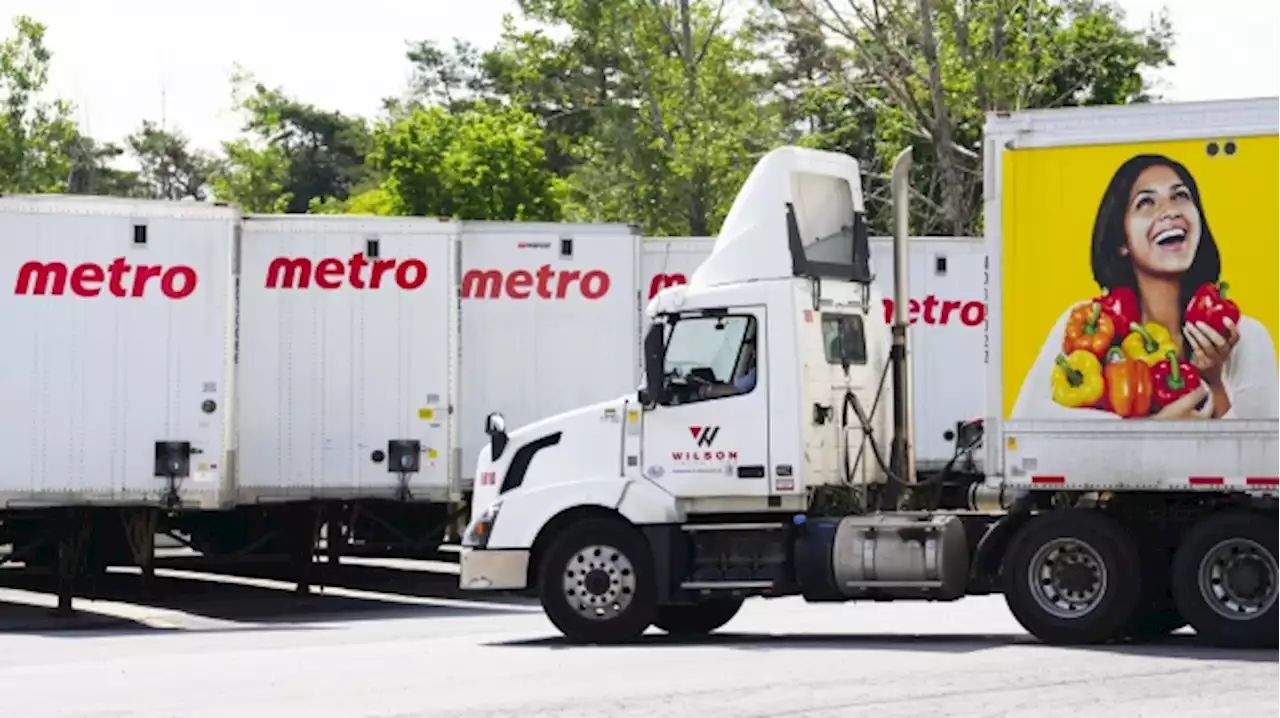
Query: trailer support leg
[[302, 531], [335, 537], [140, 530], [73, 538]]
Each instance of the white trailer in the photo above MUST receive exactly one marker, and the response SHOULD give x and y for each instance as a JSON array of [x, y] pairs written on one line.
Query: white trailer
[[117, 380], [1133, 498], [548, 319], [348, 342]]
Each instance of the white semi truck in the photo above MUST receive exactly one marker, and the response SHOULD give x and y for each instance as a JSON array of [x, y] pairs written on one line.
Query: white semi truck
[[1130, 478]]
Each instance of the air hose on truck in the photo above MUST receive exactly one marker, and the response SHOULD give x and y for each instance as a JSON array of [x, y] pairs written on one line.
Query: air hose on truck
[[869, 439]]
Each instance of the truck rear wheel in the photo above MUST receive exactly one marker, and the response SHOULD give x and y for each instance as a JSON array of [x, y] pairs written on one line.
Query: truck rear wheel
[[697, 619], [1224, 580], [596, 582], [1072, 577]]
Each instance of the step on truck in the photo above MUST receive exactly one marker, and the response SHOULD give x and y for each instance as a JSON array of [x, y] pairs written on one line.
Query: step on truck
[[1130, 432]]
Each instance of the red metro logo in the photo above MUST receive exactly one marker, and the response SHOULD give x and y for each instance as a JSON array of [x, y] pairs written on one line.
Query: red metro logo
[[705, 437]]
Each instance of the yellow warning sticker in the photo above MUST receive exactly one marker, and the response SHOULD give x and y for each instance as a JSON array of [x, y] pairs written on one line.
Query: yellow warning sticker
[[633, 416], [426, 413], [432, 454]]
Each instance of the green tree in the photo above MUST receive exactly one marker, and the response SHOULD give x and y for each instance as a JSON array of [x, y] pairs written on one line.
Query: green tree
[[484, 162], [299, 154], [37, 139], [92, 170], [932, 69], [653, 102], [170, 168]]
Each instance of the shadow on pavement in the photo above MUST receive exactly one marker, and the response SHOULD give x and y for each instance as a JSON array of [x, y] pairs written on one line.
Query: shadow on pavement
[[27, 619], [942, 643], [221, 601], [1177, 646], [407, 582]]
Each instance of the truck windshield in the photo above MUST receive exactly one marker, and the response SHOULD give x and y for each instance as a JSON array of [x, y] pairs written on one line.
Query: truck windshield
[[709, 345]]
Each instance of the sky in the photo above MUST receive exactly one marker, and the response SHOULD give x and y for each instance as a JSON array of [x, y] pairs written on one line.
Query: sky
[[124, 61]]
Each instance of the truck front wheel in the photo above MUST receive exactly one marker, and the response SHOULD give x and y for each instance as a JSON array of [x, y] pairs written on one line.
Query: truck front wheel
[[596, 582], [1072, 577], [1224, 580], [697, 619]]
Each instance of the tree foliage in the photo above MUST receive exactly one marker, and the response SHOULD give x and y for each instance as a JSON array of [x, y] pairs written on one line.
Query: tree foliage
[[643, 111]]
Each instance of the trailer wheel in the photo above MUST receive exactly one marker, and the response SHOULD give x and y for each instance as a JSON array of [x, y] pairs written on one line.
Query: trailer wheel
[[1224, 580], [697, 619], [1072, 577], [597, 582]]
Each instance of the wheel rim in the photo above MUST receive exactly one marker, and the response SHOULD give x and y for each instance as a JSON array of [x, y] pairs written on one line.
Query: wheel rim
[[1238, 579], [599, 582], [1068, 578]]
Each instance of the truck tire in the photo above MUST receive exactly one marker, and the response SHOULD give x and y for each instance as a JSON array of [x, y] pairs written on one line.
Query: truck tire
[[1224, 580], [697, 619], [1073, 578], [596, 582]]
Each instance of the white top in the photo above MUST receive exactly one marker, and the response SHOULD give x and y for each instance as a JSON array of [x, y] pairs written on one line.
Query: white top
[[1249, 376]]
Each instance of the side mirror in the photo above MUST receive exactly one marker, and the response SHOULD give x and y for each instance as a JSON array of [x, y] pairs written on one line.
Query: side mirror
[[496, 428], [654, 384]]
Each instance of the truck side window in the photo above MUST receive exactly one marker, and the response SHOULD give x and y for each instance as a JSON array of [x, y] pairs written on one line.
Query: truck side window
[[846, 328], [711, 357]]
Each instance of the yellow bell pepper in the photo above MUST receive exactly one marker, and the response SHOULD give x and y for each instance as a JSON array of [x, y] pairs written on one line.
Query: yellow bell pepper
[[1148, 343], [1077, 379]]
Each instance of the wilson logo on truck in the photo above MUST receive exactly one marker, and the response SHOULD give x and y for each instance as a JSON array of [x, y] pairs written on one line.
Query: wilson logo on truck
[[117, 279]]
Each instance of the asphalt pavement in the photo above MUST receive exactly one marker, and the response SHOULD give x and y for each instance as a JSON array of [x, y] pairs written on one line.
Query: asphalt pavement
[[398, 640]]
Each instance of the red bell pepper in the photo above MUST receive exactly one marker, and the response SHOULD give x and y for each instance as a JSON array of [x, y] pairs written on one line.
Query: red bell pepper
[[1173, 379], [1210, 305], [1122, 304]]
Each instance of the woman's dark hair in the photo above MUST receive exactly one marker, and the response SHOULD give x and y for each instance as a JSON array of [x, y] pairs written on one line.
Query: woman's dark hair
[[1110, 268]]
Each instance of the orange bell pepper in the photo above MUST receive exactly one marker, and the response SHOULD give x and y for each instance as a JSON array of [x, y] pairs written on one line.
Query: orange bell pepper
[[1130, 386], [1090, 329]]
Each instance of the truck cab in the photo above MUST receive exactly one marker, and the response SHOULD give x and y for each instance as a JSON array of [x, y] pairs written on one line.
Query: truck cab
[[764, 380]]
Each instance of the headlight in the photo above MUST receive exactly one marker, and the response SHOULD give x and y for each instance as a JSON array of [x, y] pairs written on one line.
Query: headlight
[[478, 532]]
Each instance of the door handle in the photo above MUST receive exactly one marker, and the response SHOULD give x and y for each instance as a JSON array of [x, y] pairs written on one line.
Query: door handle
[[754, 471]]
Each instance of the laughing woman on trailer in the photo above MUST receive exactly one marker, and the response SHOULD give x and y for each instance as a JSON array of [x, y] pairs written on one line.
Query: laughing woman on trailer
[[1155, 256]]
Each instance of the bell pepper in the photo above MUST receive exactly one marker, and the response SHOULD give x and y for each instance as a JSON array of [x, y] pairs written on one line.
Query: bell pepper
[[1130, 387], [1122, 304], [1077, 379], [1088, 328], [1210, 305], [1173, 379], [1148, 342]]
